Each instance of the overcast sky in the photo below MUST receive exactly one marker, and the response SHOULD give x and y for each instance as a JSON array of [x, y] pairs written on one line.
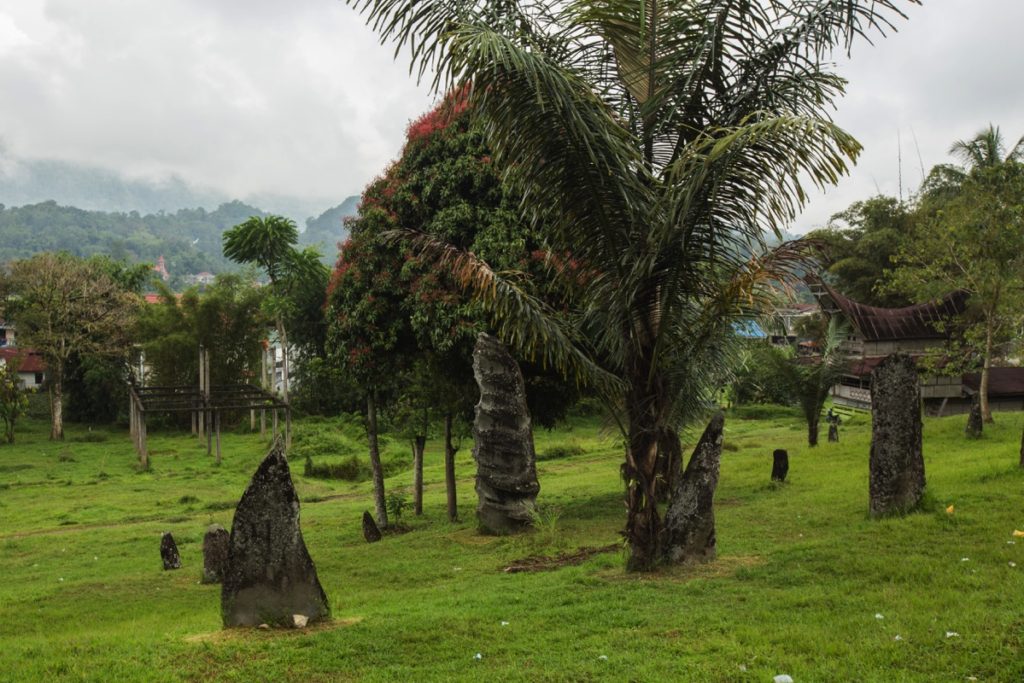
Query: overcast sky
[[298, 98]]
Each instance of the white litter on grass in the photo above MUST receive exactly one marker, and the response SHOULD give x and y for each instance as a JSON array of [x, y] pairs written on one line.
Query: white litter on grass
[[783, 678], [898, 637], [478, 656], [456, 569], [1013, 564], [603, 658], [952, 634], [61, 578], [965, 559], [504, 623], [95, 558], [743, 667], [878, 615]]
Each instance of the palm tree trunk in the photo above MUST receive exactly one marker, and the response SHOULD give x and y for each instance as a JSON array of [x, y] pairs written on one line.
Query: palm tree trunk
[[812, 428], [670, 463], [449, 469], [378, 471], [644, 403]]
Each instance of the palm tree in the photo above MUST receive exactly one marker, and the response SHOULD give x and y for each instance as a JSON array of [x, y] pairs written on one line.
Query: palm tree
[[986, 149], [657, 143]]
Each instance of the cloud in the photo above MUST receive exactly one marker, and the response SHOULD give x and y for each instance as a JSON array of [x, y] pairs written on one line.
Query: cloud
[[298, 98]]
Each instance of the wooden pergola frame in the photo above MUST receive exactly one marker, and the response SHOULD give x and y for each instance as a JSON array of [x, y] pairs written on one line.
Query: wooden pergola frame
[[206, 403]]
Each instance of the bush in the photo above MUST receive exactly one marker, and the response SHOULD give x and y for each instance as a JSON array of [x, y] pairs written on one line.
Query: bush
[[559, 452]]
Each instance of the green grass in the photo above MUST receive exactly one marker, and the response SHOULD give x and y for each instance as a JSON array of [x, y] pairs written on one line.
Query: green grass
[[801, 574]]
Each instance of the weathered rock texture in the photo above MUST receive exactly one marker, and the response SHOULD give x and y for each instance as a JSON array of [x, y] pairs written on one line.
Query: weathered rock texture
[[169, 551], [270, 576], [689, 532], [370, 530], [780, 464], [974, 420], [896, 463], [506, 474], [833, 433], [215, 553]]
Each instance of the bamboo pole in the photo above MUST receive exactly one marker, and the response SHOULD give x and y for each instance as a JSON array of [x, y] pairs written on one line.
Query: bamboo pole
[[275, 424]]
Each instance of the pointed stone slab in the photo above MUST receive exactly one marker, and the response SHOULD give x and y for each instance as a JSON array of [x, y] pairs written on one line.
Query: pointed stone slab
[[371, 532], [780, 464], [690, 519], [270, 576], [169, 551], [896, 464], [506, 474]]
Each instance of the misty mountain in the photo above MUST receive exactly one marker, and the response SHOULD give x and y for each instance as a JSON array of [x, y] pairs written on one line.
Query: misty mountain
[[188, 239], [32, 181], [328, 229]]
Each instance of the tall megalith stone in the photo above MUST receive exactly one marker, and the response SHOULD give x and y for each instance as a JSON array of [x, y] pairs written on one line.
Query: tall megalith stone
[[975, 424], [506, 474], [896, 462], [689, 530], [270, 577], [169, 551]]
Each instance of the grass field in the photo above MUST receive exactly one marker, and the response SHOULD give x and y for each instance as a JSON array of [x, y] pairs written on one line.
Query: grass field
[[805, 583]]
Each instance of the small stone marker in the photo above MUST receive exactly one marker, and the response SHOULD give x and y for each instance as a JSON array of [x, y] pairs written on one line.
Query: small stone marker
[[690, 518], [974, 422], [833, 433], [896, 462], [169, 552], [780, 464], [370, 530], [506, 474], [215, 553], [270, 576]]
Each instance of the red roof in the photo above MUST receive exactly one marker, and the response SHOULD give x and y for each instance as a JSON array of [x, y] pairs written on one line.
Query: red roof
[[31, 361], [890, 324]]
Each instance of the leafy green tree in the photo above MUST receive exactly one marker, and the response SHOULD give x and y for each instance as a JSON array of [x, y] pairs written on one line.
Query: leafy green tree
[[807, 380], [227, 318], [968, 237], [269, 242], [65, 308], [656, 143], [860, 244], [13, 398]]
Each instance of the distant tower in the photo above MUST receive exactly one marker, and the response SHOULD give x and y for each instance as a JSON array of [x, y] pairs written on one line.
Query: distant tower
[[161, 268]]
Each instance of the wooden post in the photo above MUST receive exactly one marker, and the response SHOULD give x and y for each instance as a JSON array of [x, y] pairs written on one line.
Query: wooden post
[[195, 422], [216, 418], [287, 428], [143, 450], [202, 391], [263, 423], [131, 416], [252, 419], [275, 424]]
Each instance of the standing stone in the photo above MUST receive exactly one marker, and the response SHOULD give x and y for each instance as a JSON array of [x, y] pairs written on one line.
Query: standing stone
[[833, 433], [370, 531], [974, 421], [780, 464], [506, 475], [270, 576], [896, 463], [215, 553], [690, 518], [169, 552]]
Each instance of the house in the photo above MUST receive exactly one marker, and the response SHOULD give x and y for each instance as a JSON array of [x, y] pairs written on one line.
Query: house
[[874, 332], [31, 369], [6, 334]]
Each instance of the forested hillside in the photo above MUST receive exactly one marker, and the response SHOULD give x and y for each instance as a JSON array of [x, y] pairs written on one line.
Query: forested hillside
[[188, 239]]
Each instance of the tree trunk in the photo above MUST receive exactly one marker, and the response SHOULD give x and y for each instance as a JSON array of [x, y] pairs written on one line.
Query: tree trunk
[[449, 469], [640, 471], [1022, 449], [57, 408], [418, 445], [670, 463], [282, 338], [812, 429], [986, 412], [378, 471]]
